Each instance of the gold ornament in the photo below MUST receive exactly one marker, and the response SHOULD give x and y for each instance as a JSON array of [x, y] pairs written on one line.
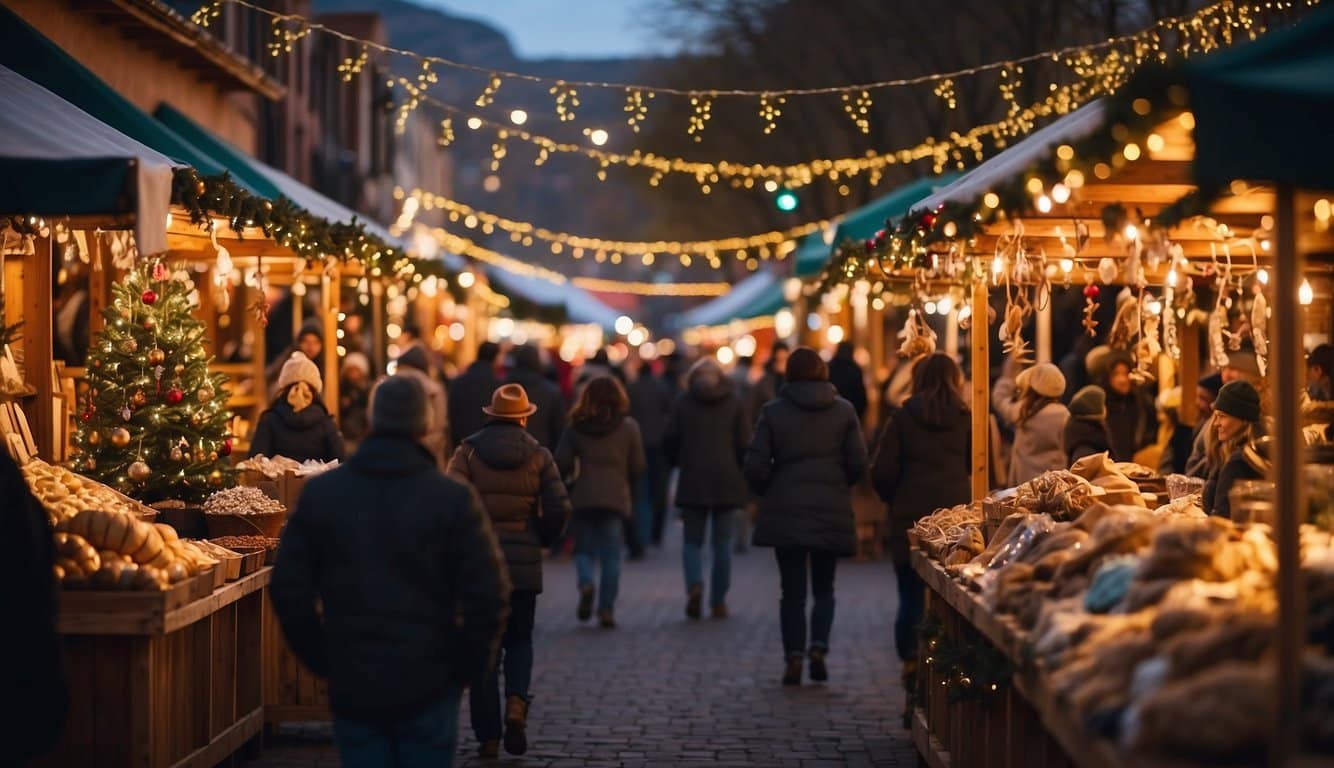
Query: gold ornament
[[205, 393], [197, 418], [215, 478], [129, 346], [138, 398], [120, 437], [200, 455], [139, 471], [156, 356], [90, 464], [177, 454], [94, 437], [180, 368], [212, 456]]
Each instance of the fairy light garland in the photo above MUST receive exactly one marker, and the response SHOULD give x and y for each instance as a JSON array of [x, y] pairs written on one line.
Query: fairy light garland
[[748, 249]]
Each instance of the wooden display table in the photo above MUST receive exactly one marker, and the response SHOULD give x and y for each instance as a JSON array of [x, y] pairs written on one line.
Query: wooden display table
[[168, 687], [292, 693]]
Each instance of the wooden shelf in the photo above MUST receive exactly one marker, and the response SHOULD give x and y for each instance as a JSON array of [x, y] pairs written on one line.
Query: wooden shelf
[[140, 613]]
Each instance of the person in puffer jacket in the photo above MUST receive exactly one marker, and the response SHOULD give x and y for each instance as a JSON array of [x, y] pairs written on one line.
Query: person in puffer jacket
[[524, 497]]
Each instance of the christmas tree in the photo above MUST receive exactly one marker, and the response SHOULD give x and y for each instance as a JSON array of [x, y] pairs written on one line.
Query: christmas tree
[[156, 422]]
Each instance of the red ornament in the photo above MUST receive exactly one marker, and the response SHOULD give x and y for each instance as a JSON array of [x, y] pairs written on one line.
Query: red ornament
[[226, 449], [149, 297], [175, 396], [87, 416], [870, 245], [927, 221], [1091, 291]]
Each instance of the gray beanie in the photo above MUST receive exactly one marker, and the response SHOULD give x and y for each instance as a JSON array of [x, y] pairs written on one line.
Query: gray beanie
[[398, 407]]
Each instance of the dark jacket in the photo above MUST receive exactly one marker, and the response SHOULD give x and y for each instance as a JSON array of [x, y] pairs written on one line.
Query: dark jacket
[[1132, 422], [35, 668], [469, 392], [522, 493], [1083, 437], [765, 390], [650, 405], [920, 466], [606, 460], [413, 590], [847, 377], [301, 435], [547, 424], [707, 435], [1219, 484], [806, 454], [354, 402]]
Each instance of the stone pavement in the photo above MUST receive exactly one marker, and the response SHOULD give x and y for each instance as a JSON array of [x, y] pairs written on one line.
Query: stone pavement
[[663, 691]]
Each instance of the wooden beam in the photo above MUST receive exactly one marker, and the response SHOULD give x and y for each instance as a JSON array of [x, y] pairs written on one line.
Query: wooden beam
[[981, 378], [330, 297], [38, 340]]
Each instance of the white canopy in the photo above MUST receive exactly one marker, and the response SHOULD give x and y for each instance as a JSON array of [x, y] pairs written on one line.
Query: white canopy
[[725, 308], [580, 306]]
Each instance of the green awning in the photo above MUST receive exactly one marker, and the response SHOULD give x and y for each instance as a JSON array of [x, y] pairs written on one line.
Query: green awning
[[29, 53], [764, 305], [811, 256], [234, 160]]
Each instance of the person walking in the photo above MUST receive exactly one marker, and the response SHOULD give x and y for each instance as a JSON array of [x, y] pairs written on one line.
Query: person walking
[[297, 424], [354, 397], [526, 501], [806, 455], [848, 378], [706, 438], [390, 583], [1030, 402], [922, 463], [771, 380], [601, 456], [471, 391], [650, 405], [415, 364], [1085, 432], [549, 420]]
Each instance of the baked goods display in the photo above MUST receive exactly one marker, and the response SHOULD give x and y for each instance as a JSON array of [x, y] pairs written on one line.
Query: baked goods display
[[242, 500], [270, 467], [65, 493], [112, 550]]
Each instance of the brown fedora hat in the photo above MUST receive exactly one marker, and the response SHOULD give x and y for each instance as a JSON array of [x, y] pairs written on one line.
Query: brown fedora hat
[[510, 402]]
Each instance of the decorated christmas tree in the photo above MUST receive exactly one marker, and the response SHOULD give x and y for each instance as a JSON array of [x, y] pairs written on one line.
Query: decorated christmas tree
[[156, 422]]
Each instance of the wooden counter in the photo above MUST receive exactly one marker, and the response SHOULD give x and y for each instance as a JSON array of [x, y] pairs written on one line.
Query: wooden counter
[[169, 688]]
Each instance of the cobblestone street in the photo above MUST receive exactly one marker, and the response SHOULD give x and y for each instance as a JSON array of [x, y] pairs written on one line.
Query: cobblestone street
[[663, 691]]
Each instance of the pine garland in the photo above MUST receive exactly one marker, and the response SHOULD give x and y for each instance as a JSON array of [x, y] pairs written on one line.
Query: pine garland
[[968, 670]]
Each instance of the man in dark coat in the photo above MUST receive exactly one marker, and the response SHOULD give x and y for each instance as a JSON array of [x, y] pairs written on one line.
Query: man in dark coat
[[650, 404], [34, 668], [522, 492], [848, 378], [549, 420], [471, 391], [706, 439], [389, 582], [771, 381]]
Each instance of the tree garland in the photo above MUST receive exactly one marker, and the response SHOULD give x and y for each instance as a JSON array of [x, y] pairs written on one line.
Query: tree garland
[[969, 671]]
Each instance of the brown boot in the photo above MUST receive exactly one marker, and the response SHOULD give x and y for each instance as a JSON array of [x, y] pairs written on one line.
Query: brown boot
[[606, 620], [720, 611], [489, 749], [792, 673], [694, 601], [516, 725], [819, 670], [585, 610]]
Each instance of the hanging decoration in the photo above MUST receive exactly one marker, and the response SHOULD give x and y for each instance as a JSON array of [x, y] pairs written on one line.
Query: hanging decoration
[[1260, 328], [918, 337], [970, 670], [1218, 326]]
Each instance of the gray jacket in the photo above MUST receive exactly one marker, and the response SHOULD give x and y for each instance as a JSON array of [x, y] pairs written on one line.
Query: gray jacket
[[605, 460], [706, 437], [1037, 441]]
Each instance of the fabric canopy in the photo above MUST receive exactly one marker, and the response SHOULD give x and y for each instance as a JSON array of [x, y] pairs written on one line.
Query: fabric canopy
[[58, 159], [257, 174], [571, 303], [1264, 110], [728, 307], [864, 222], [811, 255]]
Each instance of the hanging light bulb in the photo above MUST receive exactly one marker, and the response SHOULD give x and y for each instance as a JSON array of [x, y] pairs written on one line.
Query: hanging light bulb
[[1172, 277], [1304, 294], [1132, 232], [1067, 265], [1262, 276], [1044, 204], [997, 266]]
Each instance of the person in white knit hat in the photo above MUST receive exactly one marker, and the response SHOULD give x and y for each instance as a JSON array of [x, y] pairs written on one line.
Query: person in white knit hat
[[298, 425], [1031, 404]]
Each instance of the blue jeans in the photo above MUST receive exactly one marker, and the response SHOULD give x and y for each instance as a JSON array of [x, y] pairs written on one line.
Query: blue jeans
[[516, 649], [426, 740], [598, 537], [650, 513], [696, 518], [792, 566]]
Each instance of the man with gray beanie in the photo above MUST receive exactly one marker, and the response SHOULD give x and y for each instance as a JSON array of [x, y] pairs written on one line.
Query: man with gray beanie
[[389, 582]]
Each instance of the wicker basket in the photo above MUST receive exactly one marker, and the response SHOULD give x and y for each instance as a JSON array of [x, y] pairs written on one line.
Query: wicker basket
[[269, 524]]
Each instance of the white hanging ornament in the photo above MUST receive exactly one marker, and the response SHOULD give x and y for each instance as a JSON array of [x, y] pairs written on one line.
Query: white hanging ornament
[[1107, 270], [1259, 329]]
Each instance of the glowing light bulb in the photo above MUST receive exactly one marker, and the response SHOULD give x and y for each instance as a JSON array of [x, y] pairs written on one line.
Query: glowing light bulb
[[1060, 193], [997, 266], [945, 304], [1262, 276], [1067, 265], [1304, 294], [1044, 204], [1132, 232], [1172, 277], [518, 117], [598, 136], [624, 324], [474, 123]]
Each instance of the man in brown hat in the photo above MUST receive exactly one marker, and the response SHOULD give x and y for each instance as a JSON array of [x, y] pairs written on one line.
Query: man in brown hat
[[529, 509]]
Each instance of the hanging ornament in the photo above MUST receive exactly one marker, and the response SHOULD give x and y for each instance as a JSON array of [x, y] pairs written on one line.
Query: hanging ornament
[[157, 376], [177, 455], [150, 324], [205, 393], [215, 478], [199, 454], [175, 396], [125, 413], [94, 437], [149, 296], [1108, 270], [87, 416], [197, 418], [1218, 327], [138, 399], [226, 449], [212, 456], [97, 363], [120, 437], [156, 356], [160, 273], [90, 464], [180, 368], [1259, 329], [138, 471], [129, 346]]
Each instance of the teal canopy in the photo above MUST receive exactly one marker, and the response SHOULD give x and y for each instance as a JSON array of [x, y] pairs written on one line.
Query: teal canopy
[[242, 166]]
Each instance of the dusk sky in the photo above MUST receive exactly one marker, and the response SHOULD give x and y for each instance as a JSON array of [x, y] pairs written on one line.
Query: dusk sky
[[566, 28]]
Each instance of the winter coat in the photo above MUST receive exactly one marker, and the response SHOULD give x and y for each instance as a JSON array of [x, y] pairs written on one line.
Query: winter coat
[[1198, 463], [707, 435], [1132, 423], [36, 668], [469, 392], [1083, 437], [605, 459], [389, 582], [920, 466], [1037, 441], [547, 424], [301, 435], [650, 404], [354, 403], [437, 435], [847, 377], [521, 491], [764, 391], [806, 455], [1221, 479]]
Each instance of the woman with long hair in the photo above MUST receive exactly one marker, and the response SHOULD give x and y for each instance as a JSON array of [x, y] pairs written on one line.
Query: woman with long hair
[[298, 425], [922, 464], [601, 456], [1235, 419], [1031, 403], [806, 455]]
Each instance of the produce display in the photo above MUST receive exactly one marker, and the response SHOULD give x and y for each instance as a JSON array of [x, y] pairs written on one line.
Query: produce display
[[111, 550], [65, 493], [246, 542], [1146, 622], [242, 500], [276, 466]]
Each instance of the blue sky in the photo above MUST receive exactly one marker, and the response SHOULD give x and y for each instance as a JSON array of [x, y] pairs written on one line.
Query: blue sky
[[566, 28]]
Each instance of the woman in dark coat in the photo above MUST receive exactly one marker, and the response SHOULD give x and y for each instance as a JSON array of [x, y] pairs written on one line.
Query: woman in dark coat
[[921, 465], [298, 425], [602, 457], [706, 438], [1085, 432], [806, 455]]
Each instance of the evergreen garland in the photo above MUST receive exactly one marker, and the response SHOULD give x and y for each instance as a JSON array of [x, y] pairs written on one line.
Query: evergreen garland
[[969, 670]]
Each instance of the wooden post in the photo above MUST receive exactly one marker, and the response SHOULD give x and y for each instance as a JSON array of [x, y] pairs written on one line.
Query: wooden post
[[330, 296], [99, 283], [37, 343], [1290, 496], [378, 335], [1189, 371], [981, 366], [1043, 322], [875, 341]]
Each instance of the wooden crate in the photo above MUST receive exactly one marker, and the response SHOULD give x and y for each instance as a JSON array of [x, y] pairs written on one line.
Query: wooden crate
[[292, 693], [185, 692]]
